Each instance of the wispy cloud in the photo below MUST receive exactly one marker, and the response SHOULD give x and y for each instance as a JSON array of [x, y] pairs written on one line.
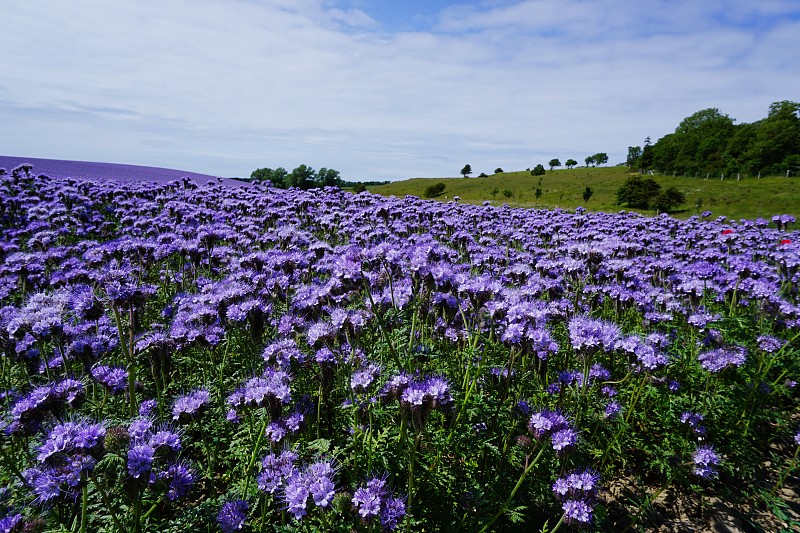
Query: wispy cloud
[[225, 86]]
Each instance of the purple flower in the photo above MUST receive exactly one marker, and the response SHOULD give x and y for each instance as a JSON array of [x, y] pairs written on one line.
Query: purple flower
[[140, 459], [70, 438], [275, 469], [693, 420], [146, 407], [705, 462], [578, 484], [114, 379], [393, 510], [362, 379], [11, 523], [612, 410], [544, 423], [190, 406], [577, 512], [769, 344], [797, 437], [589, 334], [295, 495], [181, 479], [564, 439], [720, 358], [232, 515], [367, 499]]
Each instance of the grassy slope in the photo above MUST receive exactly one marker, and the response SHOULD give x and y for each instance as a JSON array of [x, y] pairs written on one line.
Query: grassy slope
[[748, 198]]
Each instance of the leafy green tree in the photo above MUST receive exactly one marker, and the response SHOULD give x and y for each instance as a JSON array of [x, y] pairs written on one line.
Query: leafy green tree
[[587, 193], [570, 163], [538, 170], [466, 171], [327, 177], [494, 192], [554, 163], [600, 158], [638, 192], [634, 154], [538, 193], [302, 177], [277, 177], [498, 170], [589, 160]]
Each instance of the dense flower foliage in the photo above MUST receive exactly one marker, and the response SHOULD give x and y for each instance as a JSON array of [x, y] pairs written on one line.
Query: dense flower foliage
[[263, 358]]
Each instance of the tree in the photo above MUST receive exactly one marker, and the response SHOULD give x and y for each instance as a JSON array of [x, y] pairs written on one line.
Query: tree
[[277, 177], [466, 171], [301, 177], [590, 160], [638, 192], [554, 163], [327, 177], [432, 191], [498, 170], [570, 163], [600, 158], [634, 153], [587, 193], [538, 170], [538, 193]]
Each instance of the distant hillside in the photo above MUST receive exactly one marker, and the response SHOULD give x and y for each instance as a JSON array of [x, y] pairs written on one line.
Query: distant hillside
[[748, 198], [100, 171]]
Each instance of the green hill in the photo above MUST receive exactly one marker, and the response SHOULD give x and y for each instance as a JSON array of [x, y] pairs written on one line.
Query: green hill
[[746, 198]]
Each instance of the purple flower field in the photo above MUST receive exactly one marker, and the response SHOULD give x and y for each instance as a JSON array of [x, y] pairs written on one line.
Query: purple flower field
[[105, 171], [178, 355]]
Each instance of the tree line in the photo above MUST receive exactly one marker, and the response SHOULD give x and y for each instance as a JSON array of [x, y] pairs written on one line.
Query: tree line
[[709, 143], [302, 177]]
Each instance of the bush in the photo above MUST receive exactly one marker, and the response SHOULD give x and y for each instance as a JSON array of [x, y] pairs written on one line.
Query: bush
[[638, 192], [359, 187], [508, 193], [538, 170], [435, 190], [668, 200]]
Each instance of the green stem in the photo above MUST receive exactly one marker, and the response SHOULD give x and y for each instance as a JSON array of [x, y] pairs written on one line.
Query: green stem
[[253, 455], [84, 506], [104, 497], [513, 491]]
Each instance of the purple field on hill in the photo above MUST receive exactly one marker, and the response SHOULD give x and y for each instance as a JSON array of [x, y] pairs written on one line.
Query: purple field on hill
[[101, 171]]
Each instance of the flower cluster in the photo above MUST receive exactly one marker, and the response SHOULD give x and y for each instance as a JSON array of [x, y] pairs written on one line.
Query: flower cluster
[[374, 500], [577, 492], [190, 406], [556, 427], [70, 449], [705, 461], [721, 358]]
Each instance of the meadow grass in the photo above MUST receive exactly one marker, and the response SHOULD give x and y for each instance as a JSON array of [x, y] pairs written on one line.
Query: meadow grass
[[746, 198]]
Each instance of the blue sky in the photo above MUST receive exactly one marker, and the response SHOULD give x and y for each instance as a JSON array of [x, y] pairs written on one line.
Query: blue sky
[[380, 90]]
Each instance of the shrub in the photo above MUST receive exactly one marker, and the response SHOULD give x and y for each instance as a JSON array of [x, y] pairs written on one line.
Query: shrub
[[432, 191], [668, 200], [538, 170], [638, 192]]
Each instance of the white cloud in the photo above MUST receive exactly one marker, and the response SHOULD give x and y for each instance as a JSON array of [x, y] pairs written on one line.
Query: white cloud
[[225, 86]]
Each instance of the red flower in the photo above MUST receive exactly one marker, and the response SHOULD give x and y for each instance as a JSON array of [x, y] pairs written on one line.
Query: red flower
[[727, 231], [786, 241]]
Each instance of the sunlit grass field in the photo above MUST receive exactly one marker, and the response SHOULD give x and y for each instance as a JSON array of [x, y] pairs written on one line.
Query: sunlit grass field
[[745, 198]]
